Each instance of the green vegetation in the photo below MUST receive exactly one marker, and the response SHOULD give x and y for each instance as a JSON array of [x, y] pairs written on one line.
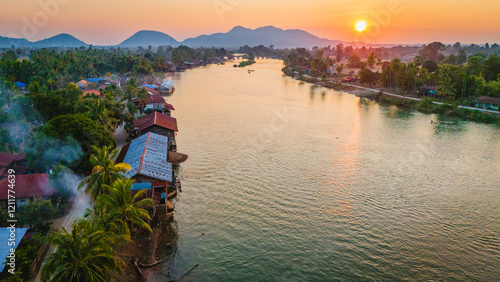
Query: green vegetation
[[444, 73], [427, 105], [104, 173], [84, 254], [246, 63]]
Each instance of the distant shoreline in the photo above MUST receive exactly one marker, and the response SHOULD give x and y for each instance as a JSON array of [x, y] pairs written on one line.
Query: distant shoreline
[[424, 105]]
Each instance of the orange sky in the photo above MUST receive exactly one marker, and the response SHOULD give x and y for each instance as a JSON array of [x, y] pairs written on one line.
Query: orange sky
[[109, 22]]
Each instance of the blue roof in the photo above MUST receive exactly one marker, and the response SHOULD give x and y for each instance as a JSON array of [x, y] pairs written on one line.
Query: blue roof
[[163, 196], [151, 86], [4, 240], [20, 84], [95, 79], [141, 186]]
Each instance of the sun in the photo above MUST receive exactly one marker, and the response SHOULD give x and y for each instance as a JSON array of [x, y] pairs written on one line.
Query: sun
[[361, 25]]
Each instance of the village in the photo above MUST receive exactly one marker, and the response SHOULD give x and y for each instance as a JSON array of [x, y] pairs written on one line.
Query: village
[[150, 150]]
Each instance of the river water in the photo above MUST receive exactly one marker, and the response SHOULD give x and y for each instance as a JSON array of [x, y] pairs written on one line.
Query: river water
[[288, 182]]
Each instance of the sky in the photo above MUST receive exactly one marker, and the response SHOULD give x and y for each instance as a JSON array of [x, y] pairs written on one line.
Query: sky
[[109, 22]]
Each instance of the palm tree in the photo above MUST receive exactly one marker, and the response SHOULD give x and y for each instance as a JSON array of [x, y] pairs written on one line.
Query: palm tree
[[129, 209], [85, 254], [105, 172], [445, 88], [143, 97]]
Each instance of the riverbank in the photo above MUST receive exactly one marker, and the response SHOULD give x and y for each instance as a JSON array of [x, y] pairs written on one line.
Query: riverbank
[[424, 105]]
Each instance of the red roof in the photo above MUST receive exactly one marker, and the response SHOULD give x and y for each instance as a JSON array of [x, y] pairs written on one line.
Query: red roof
[[158, 119], [168, 106], [28, 186], [157, 98], [91, 91], [7, 158]]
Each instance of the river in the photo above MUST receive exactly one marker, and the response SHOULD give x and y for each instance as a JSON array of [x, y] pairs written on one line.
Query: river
[[289, 182]]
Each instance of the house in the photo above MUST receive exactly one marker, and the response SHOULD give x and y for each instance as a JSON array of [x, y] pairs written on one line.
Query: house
[[489, 103], [91, 92], [351, 79], [428, 91], [95, 80], [167, 86], [147, 155], [155, 102], [28, 187], [157, 123], [17, 234], [17, 162], [150, 86], [83, 84], [21, 86]]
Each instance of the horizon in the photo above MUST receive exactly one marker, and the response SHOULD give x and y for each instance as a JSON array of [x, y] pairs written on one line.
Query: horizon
[[182, 40], [389, 22]]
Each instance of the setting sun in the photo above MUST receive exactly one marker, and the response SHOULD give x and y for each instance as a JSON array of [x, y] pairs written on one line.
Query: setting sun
[[361, 25]]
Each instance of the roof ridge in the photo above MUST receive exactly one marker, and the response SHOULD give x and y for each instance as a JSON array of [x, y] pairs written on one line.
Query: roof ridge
[[143, 153]]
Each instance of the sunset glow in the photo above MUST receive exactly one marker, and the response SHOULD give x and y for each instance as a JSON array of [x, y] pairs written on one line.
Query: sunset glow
[[113, 22], [361, 25]]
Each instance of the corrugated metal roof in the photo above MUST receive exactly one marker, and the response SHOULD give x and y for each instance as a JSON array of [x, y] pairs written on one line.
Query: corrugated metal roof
[[4, 247], [167, 83], [151, 86], [147, 155], [20, 84]]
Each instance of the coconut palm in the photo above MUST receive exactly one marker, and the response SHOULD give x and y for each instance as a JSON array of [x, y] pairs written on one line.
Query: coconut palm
[[129, 209], [84, 254], [104, 173], [143, 97], [445, 88]]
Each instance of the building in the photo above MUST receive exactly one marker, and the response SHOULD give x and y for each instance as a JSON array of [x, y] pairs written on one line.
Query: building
[[489, 103], [83, 84], [167, 86], [12, 161], [428, 91], [155, 103], [350, 79], [5, 249], [157, 123], [91, 92], [148, 157], [21, 86], [27, 188]]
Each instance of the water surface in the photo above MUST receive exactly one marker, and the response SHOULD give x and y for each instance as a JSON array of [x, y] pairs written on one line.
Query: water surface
[[290, 182]]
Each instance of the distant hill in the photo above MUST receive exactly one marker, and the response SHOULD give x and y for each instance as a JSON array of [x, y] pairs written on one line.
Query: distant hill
[[7, 42], [235, 38], [61, 40], [146, 38], [268, 35]]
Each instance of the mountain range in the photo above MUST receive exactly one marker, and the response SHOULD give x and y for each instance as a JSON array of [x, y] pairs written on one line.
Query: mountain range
[[235, 38]]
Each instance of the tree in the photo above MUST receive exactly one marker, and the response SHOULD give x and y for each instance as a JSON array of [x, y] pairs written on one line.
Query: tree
[[432, 51], [85, 254], [104, 172], [445, 88], [369, 77], [340, 68], [143, 97], [353, 61], [372, 60], [430, 66], [129, 209], [36, 213], [79, 127]]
